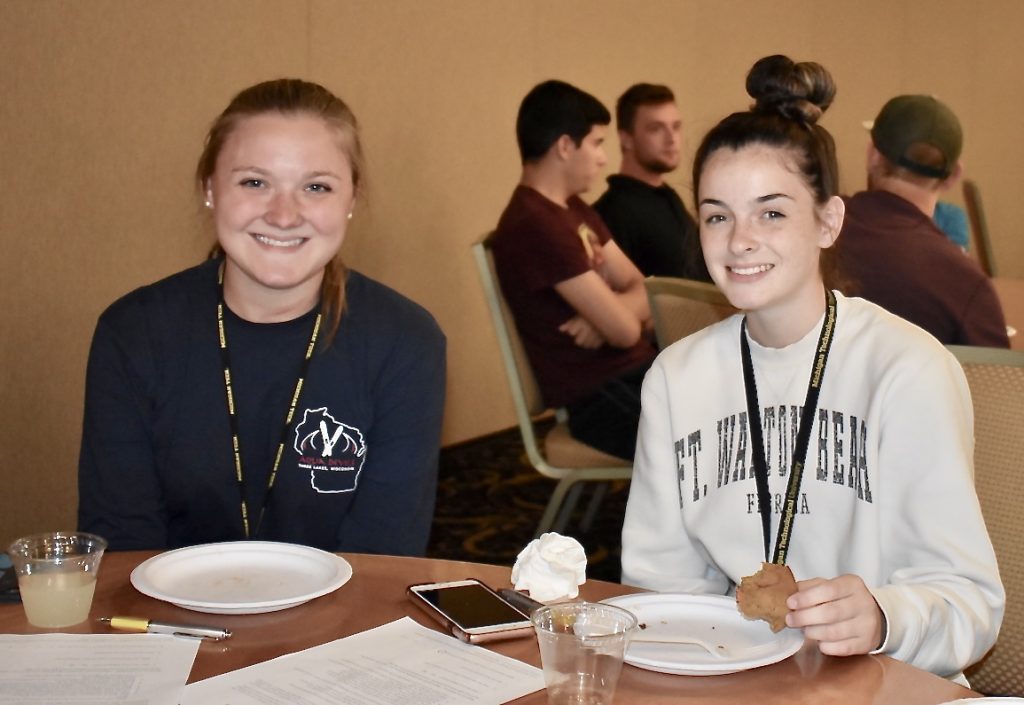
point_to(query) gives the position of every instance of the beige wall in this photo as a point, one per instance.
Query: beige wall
(104, 103)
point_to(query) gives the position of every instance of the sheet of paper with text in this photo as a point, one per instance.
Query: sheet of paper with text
(399, 662)
(80, 669)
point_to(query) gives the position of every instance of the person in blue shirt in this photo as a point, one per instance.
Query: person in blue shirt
(952, 221)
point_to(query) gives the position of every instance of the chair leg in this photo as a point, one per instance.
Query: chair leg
(568, 507)
(600, 490)
(554, 504)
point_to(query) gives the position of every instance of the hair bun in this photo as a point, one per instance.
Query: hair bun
(797, 91)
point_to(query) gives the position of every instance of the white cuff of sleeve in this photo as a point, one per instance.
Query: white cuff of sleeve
(882, 646)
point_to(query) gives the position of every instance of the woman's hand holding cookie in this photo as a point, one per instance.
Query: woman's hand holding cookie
(840, 613)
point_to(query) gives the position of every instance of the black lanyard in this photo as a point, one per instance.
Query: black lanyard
(236, 446)
(803, 435)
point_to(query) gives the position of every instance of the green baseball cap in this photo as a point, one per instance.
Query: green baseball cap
(912, 119)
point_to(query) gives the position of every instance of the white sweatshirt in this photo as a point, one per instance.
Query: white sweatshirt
(887, 490)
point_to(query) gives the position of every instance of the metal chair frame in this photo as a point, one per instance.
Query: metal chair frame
(684, 306)
(526, 399)
(981, 242)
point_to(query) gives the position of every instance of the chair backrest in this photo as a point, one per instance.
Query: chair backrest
(684, 306)
(996, 379)
(522, 382)
(981, 243)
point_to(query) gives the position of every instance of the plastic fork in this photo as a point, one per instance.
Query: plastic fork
(719, 650)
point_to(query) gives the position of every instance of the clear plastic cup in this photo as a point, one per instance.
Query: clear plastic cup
(57, 576)
(581, 649)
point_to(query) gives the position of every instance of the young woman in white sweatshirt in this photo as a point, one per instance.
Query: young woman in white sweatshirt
(885, 535)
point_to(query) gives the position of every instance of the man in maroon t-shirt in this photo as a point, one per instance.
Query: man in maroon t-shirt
(578, 301)
(890, 248)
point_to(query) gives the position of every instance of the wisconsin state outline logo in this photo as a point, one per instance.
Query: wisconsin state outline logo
(332, 451)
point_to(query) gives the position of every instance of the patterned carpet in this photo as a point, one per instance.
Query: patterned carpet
(490, 499)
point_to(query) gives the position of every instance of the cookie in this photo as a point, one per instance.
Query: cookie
(763, 595)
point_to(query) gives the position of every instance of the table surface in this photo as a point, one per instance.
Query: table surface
(376, 595)
(1011, 296)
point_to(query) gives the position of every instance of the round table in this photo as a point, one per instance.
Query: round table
(376, 595)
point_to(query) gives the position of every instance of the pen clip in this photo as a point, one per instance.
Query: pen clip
(190, 631)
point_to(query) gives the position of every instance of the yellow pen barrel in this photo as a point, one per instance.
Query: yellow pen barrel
(131, 624)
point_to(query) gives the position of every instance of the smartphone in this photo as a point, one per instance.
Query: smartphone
(472, 611)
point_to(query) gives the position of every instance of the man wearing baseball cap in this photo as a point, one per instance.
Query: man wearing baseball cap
(890, 249)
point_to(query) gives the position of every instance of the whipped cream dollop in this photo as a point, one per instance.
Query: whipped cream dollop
(551, 567)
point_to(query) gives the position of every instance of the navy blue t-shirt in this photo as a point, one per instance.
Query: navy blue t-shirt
(359, 469)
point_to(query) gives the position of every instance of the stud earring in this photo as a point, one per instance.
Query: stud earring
(208, 203)
(350, 215)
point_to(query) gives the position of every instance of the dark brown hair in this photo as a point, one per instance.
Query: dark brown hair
(636, 96)
(552, 109)
(789, 98)
(292, 96)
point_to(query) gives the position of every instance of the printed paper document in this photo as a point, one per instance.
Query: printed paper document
(399, 662)
(74, 669)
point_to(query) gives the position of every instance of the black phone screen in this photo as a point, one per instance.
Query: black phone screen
(472, 606)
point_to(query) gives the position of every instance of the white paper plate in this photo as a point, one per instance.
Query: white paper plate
(712, 618)
(241, 577)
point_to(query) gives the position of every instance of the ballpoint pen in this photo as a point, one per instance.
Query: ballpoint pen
(140, 624)
(524, 603)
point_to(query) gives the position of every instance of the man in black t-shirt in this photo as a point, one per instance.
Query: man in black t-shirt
(645, 215)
